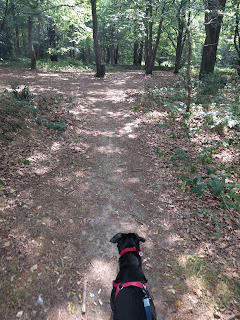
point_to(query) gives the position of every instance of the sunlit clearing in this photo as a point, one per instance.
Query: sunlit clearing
(129, 127)
(99, 271)
(56, 146)
(107, 150)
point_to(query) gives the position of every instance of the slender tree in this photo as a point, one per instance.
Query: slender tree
(100, 68)
(30, 43)
(237, 37)
(181, 15)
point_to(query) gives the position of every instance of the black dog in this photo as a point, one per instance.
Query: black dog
(130, 299)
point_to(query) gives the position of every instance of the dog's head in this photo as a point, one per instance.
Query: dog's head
(127, 240)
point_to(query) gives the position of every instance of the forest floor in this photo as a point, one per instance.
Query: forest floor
(66, 193)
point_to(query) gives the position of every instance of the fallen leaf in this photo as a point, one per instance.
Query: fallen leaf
(177, 303)
(19, 314)
(34, 268)
(7, 244)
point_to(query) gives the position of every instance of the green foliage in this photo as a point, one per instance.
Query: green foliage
(206, 154)
(56, 125)
(160, 154)
(227, 191)
(1, 183)
(179, 155)
(23, 161)
(21, 94)
(163, 125)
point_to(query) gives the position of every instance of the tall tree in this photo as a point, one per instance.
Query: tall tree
(30, 43)
(100, 68)
(182, 25)
(237, 37)
(150, 47)
(213, 21)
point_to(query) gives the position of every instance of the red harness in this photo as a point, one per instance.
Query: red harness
(120, 286)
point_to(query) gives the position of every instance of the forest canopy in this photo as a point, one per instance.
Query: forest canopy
(141, 33)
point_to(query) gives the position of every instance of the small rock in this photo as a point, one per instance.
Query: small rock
(19, 314)
(34, 268)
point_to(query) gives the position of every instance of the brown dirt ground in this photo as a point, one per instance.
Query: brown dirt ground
(82, 186)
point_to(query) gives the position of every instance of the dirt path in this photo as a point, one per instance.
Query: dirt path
(82, 186)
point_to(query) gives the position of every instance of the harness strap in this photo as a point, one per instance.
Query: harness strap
(120, 286)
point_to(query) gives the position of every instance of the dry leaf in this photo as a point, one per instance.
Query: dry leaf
(177, 303)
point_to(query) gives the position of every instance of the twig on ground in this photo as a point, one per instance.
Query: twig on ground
(233, 316)
(84, 296)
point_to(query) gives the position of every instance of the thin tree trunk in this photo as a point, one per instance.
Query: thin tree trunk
(135, 53)
(148, 39)
(2, 26)
(180, 42)
(154, 53)
(237, 38)
(18, 48)
(116, 55)
(189, 86)
(100, 68)
(140, 54)
(213, 22)
(30, 43)
(38, 39)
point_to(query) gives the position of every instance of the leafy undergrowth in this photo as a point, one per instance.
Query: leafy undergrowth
(202, 149)
(24, 114)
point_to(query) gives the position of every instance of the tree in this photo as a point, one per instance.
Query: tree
(213, 21)
(181, 17)
(150, 47)
(237, 37)
(100, 68)
(30, 43)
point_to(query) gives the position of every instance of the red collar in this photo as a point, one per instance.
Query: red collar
(127, 250)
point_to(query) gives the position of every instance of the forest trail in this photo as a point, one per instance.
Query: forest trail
(82, 186)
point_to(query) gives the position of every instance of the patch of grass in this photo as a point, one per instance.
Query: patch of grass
(199, 276)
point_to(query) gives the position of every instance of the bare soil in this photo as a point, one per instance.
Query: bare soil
(98, 177)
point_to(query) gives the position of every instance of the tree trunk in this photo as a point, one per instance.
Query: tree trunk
(38, 39)
(30, 43)
(100, 68)
(148, 39)
(189, 85)
(135, 53)
(18, 48)
(2, 26)
(181, 39)
(140, 54)
(213, 22)
(150, 52)
(157, 39)
(237, 38)
(116, 56)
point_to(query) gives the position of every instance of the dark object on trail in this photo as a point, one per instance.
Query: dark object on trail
(54, 57)
(101, 72)
(130, 299)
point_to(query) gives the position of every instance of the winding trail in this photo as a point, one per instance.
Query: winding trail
(86, 191)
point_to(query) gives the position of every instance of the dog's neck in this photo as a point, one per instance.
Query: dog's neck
(129, 250)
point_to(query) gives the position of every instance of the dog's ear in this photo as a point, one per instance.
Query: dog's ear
(141, 239)
(116, 238)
